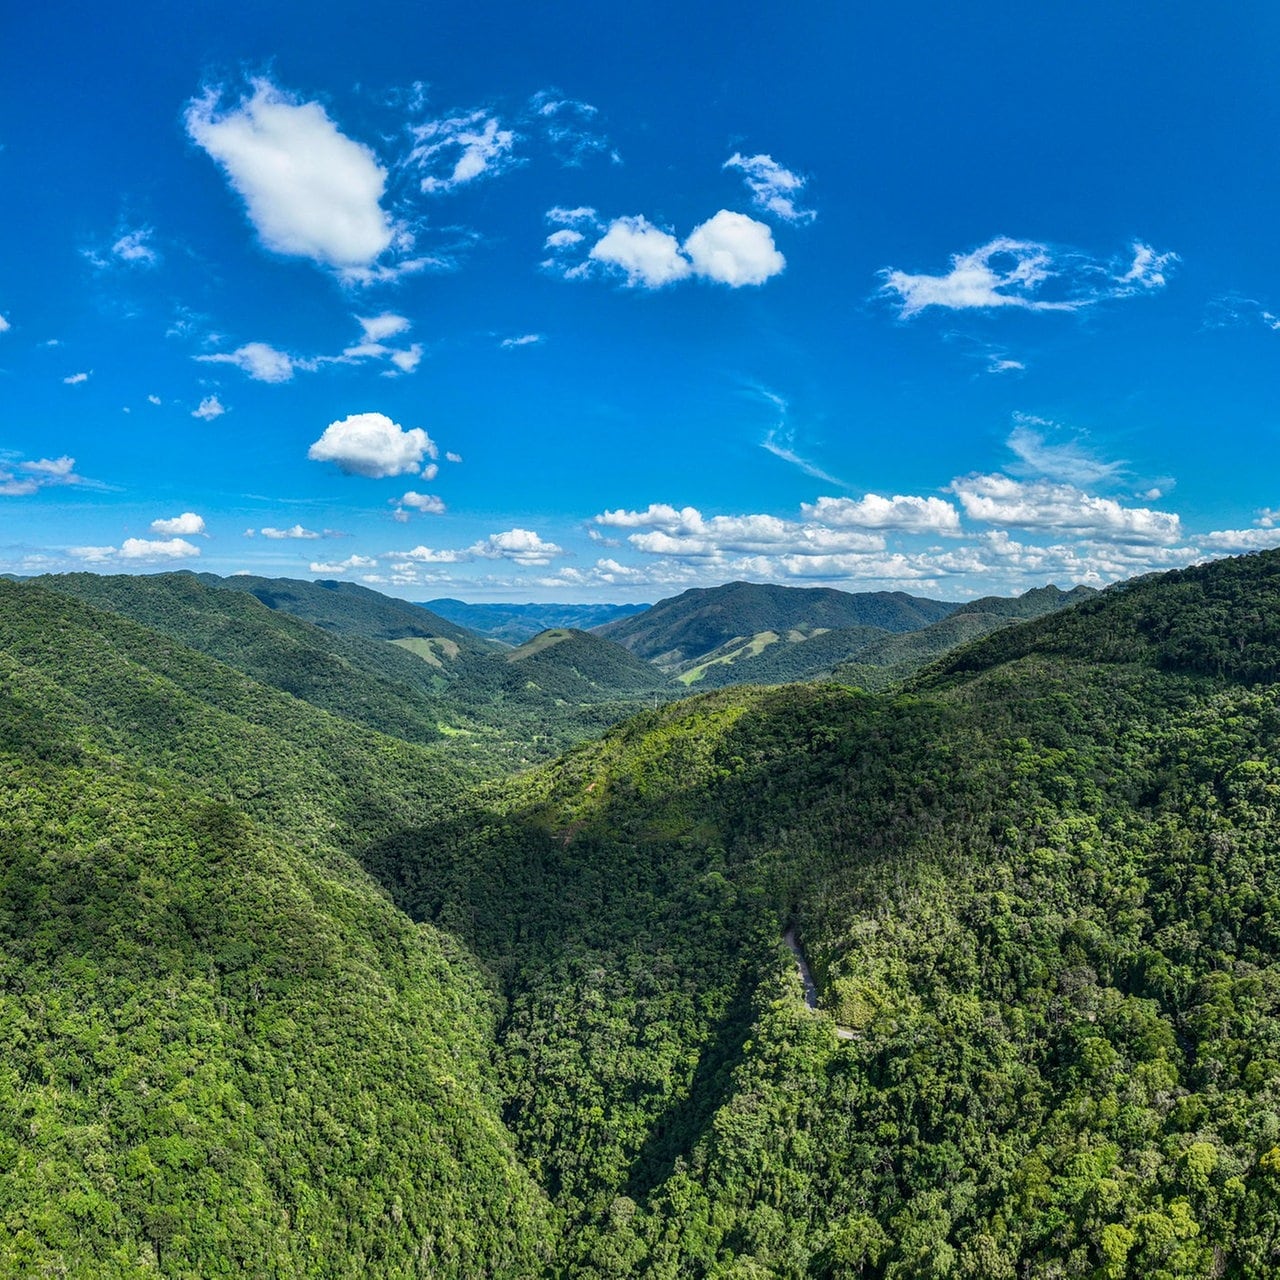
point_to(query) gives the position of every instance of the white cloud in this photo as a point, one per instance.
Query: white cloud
(453, 457)
(19, 479)
(187, 523)
(565, 238)
(296, 531)
(263, 363)
(426, 503)
(5, 326)
(1002, 364)
(995, 499)
(370, 444)
(564, 217)
(75, 379)
(349, 565)
(565, 123)
(154, 400)
(525, 340)
(1065, 460)
(646, 254)
(729, 248)
(379, 328)
(407, 361)
(208, 409)
(1010, 273)
(733, 249)
(521, 545)
(461, 149)
(773, 187)
(1001, 273)
(309, 190)
(912, 514)
(135, 248)
(1241, 539)
(1147, 269)
(143, 549)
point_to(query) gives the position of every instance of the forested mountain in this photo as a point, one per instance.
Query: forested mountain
(380, 662)
(679, 632)
(224, 1051)
(515, 623)
(577, 666)
(1037, 890)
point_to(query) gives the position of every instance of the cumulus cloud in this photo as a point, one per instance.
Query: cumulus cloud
(1241, 539)
(912, 514)
(208, 409)
(729, 248)
(350, 565)
(265, 363)
(426, 503)
(1021, 273)
(75, 379)
(520, 546)
(309, 190)
(370, 444)
(1016, 504)
(733, 249)
(524, 340)
(645, 254)
(187, 523)
(459, 149)
(773, 187)
(5, 326)
(137, 549)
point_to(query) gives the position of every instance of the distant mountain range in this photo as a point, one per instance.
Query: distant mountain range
(516, 623)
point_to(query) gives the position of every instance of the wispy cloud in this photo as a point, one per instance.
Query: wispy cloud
(456, 150)
(21, 477)
(773, 187)
(1026, 275)
(208, 409)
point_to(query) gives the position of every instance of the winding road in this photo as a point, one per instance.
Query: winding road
(811, 987)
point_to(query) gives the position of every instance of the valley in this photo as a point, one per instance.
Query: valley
(316, 962)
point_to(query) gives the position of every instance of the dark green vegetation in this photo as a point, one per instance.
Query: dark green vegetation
(383, 663)
(1039, 889)
(515, 623)
(873, 656)
(677, 634)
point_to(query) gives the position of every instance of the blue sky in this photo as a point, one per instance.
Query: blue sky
(555, 302)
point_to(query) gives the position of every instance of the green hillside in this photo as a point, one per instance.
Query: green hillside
(576, 666)
(381, 663)
(1039, 896)
(688, 627)
(1037, 892)
(225, 1052)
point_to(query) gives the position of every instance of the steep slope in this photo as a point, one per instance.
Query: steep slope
(363, 679)
(891, 659)
(515, 623)
(575, 666)
(366, 657)
(1038, 893)
(224, 1050)
(694, 624)
(347, 608)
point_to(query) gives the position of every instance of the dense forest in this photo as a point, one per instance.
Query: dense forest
(286, 995)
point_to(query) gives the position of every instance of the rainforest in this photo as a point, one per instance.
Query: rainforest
(340, 939)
